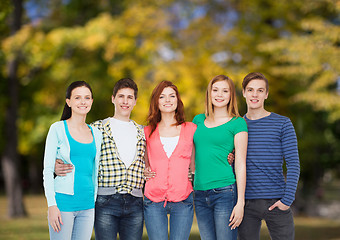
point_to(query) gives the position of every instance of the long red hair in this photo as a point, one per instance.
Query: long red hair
(154, 116)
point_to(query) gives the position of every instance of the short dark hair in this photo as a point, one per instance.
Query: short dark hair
(125, 83)
(67, 112)
(254, 76)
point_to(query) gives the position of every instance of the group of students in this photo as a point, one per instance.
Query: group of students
(113, 174)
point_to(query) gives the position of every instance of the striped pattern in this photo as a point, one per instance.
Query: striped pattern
(272, 140)
(112, 170)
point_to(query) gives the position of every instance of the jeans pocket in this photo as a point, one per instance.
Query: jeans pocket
(147, 202)
(139, 201)
(229, 188)
(189, 200)
(283, 211)
(102, 200)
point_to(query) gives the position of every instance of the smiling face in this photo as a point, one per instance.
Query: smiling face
(124, 102)
(168, 100)
(220, 94)
(255, 94)
(80, 101)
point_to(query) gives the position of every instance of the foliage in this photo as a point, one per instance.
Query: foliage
(294, 43)
(312, 61)
(6, 8)
(307, 66)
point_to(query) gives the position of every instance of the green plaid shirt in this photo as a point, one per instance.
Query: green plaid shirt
(112, 170)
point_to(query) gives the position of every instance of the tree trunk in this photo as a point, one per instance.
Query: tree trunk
(34, 176)
(10, 158)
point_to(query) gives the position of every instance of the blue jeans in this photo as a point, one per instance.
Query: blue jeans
(280, 223)
(76, 225)
(213, 209)
(119, 214)
(156, 219)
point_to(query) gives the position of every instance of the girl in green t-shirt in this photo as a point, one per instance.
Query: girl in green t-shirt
(218, 202)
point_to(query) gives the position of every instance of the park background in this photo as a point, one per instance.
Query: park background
(45, 45)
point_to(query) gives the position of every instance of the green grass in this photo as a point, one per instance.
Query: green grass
(34, 227)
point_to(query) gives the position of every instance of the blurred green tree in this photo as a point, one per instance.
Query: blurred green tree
(187, 42)
(308, 65)
(10, 161)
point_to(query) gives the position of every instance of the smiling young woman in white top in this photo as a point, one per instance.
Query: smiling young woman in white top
(169, 141)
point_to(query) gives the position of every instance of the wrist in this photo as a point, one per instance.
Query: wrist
(241, 202)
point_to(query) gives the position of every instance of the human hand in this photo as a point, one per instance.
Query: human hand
(236, 216)
(279, 205)
(191, 176)
(148, 174)
(231, 157)
(61, 169)
(54, 218)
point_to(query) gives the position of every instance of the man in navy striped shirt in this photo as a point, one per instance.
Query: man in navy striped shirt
(271, 141)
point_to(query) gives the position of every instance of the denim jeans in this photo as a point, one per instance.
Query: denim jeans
(156, 219)
(77, 225)
(119, 214)
(213, 209)
(280, 223)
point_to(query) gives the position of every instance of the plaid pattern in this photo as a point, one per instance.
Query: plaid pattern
(112, 170)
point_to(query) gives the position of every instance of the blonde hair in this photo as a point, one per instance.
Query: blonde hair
(232, 105)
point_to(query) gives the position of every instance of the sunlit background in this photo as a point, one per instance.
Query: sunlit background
(45, 45)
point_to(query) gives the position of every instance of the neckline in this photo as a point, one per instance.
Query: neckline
(68, 133)
(270, 114)
(216, 126)
(121, 121)
(170, 137)
(179, 140)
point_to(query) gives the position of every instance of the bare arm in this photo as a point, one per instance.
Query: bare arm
(192, 162)
(241, 143)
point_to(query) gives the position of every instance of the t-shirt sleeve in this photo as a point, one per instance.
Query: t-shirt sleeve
(240, 125)
(195, 120)
(198, 119)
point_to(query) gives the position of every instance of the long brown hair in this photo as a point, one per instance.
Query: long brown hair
(154, 116)
(232, 105)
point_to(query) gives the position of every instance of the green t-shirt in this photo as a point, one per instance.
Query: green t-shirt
(212, 146)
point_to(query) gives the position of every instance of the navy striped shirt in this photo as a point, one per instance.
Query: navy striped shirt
(272, 140)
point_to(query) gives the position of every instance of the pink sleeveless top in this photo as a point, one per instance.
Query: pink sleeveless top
(171, 182)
